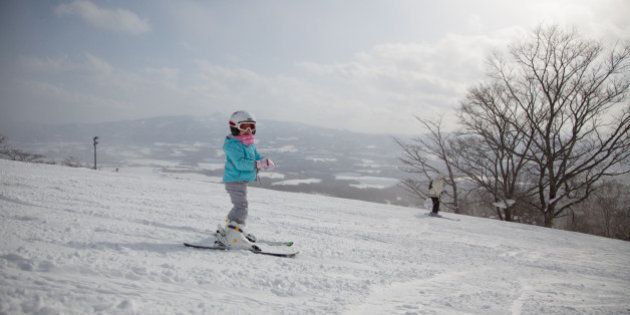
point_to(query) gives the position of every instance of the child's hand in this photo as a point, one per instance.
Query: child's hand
(265, 164)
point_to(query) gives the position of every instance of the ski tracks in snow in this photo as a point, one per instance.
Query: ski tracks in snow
(445, 292)
(517, 305)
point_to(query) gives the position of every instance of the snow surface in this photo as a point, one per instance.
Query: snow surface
(368, 181)
(296, 182)
(79, 241)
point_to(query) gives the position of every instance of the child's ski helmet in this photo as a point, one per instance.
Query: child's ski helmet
(238, 118)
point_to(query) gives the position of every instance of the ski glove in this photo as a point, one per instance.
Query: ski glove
(265, 164)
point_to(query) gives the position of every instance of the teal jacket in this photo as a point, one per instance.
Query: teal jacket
(240, 161)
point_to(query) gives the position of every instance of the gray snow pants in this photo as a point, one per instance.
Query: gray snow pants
(238, 195)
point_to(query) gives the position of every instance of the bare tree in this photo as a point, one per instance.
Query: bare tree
(429, 157)
(491, 150)
(570, 96)
(3, 144)
(11, 153)
(606, 212)
(612, 205)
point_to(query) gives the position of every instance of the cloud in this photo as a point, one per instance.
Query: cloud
(85, 87)
(82, 64)
(118, 20)
(605, 20)
(388, 85)
(378, 89)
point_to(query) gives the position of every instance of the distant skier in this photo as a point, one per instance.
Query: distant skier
(436, 188)
(242, 163)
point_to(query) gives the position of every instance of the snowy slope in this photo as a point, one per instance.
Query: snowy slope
(79, 241)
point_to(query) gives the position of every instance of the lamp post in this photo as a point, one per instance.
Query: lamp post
(95, 143)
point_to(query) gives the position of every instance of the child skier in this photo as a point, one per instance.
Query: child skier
(242, 163)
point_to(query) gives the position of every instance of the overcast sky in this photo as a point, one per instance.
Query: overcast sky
(363, 65)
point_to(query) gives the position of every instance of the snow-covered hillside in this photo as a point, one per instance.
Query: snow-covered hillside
(78, 241)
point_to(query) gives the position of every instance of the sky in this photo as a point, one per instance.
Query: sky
(361, 65)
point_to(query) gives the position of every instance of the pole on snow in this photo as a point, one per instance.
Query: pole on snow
(95, 143)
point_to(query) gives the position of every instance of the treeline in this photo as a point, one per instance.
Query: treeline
(9, 152)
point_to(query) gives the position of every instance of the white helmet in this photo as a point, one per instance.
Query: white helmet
(239, 118)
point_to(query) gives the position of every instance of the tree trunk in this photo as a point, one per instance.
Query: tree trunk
(549, 215)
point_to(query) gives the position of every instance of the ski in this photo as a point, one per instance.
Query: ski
(262, 252)
(253, 239)
(274, 243)
(441, 217)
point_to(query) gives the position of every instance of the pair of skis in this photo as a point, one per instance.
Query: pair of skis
(440, 217)
(260, 252)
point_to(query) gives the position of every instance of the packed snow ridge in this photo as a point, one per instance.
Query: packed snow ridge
(79, 241)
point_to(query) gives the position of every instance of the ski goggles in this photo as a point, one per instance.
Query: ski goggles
(244, 126)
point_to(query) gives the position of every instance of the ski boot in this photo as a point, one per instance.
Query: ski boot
(220, 235)
(233, 236)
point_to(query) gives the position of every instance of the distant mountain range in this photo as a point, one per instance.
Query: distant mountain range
(310, 159)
